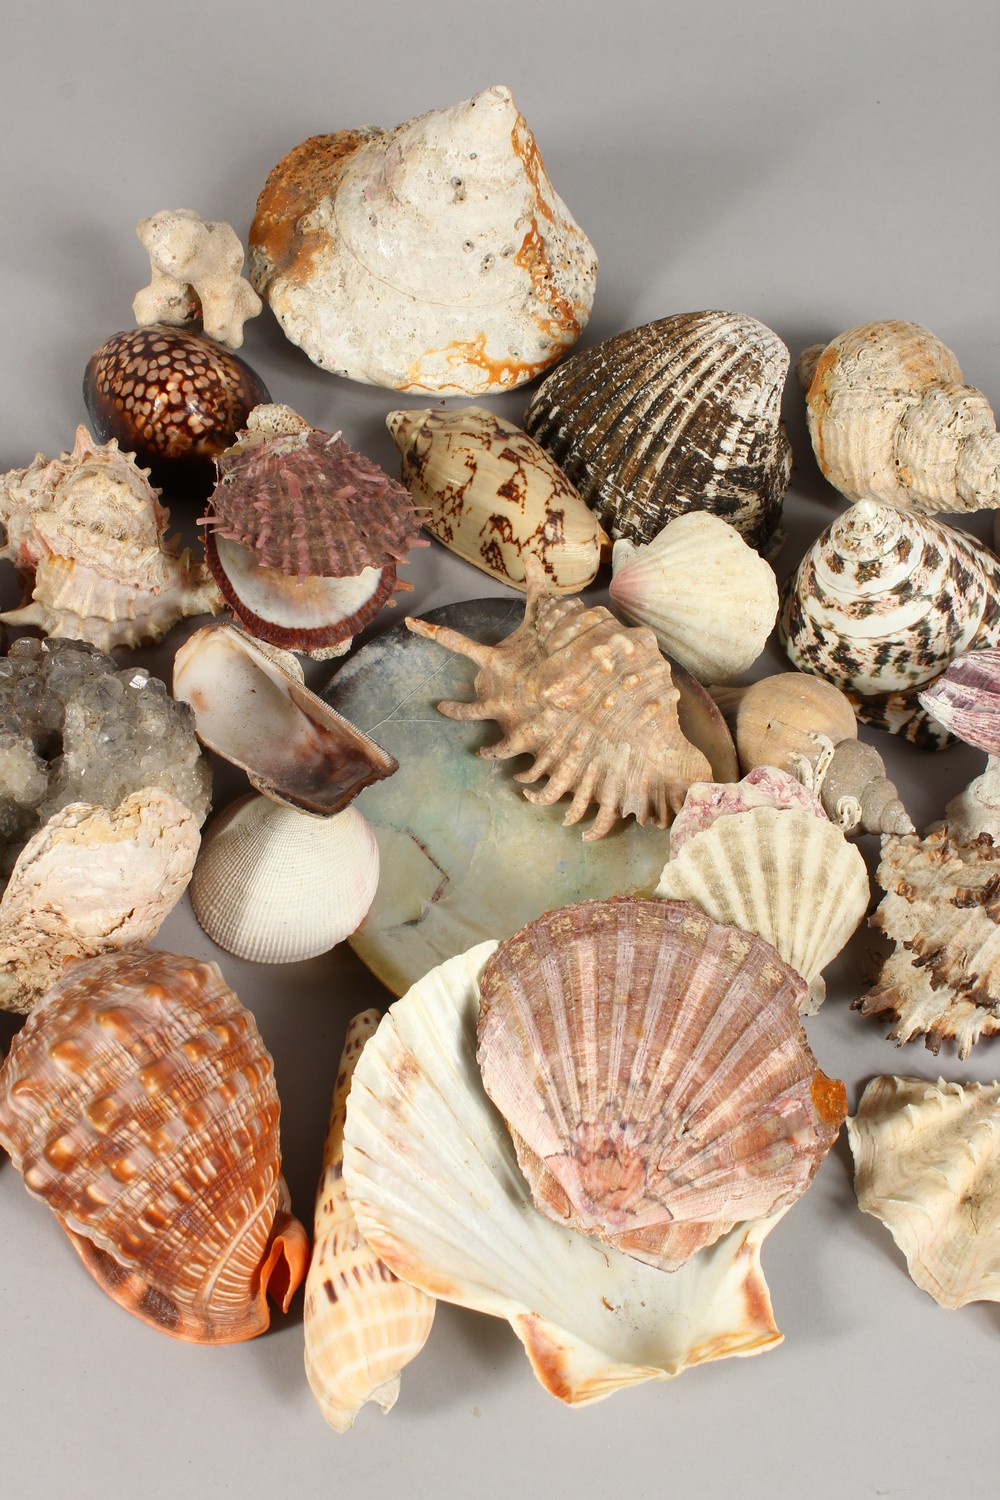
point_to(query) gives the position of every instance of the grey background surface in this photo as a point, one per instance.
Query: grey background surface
(813, 165)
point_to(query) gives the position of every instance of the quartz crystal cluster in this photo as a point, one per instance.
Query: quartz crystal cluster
(74, 727)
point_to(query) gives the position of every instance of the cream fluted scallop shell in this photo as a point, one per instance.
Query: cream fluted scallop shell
(275, 885)
(709, 598)
(433, 257)
(491, 494)
(786, 875)
(890, 420)
(432, 1176)
(925, 1163)
(361, 1323)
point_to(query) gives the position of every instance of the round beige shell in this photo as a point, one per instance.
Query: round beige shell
(492, 494)
(275, 885)
(786, 875)
(925, 1163)
(432, 257)
(432, 1177)
(784, 720)
(710, 600)
(890, 420)
(362, 1325)
(653, 1073)
(138, 1101)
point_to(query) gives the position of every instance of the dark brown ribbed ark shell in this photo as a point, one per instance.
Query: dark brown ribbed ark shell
(139, 1103)
(681, 414)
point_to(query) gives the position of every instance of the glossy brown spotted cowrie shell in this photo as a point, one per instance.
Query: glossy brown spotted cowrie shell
(175, 398)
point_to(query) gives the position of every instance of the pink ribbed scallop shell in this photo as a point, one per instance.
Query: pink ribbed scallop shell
(653, 1073)
(139, 1102)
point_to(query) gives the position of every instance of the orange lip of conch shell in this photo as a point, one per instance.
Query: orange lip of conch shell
(139, 1102)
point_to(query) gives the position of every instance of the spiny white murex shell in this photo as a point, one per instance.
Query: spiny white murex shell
(790, 877)
(492, 494)
(432, 1177)
(710, 600)
(90, 529)
(890, 420)
(926, 1163)
(882, 602)
(277, 885)
(432, 257)
(361, 1323)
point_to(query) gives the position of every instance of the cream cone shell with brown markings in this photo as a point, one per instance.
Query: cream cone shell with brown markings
(493, 495)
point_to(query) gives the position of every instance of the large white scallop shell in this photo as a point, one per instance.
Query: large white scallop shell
(926, 1163)
(361, 1323)
(491, 494)
(432, 257)
(275, 885)
(433, 1179)
(710, 600)
(786, 875)
(882, 602)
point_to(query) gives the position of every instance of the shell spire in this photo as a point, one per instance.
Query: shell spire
(361, 1323)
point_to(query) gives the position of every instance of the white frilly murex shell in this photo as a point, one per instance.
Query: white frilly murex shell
(925, 1163)
(882, 602)
(361, 1323)
(433, 1179)
(432, 257)
(788, 876)
(491, 494)
(890, 420)
(709, 598)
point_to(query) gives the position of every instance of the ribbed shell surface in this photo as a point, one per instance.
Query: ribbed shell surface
(139, 1102)
(653, 1072)
(681, 414)
(966, 699)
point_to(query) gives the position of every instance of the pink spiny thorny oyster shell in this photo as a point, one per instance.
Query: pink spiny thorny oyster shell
(306, 504)
(966, 699)
(653, 1073)
(764, 786)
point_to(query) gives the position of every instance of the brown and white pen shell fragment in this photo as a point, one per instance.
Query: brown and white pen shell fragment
(491, 494)
(940, 909)
(362, 1325)
(681, 414)
(926, 1163)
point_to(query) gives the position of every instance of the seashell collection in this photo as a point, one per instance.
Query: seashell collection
(594, 1097)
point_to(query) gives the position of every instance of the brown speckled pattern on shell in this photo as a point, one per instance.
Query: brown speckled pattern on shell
(139, 1102)
(170, 394)
(681, 414)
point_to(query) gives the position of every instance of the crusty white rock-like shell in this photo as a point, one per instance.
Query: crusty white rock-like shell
(491, 494)
(890, 420)
(710, 600)
(91, 879)
(432, 257)
(786, 875)
(927, 1163)
(433, 1179)
(361, 1323)
(276, 885)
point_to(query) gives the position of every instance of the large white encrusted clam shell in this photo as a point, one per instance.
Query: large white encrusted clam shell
(91, 879)
(89, 529)
(361, 1323)
(890, 420)
(882, 602)
(433, 1179)
(784, 874)
(942, 980)
(710, 600)
(433, 257)
(491, 494)
(681, 414)
(653, 1073)
(925, 1163)
(276, 885)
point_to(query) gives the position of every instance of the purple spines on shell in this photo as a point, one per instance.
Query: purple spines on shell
(966, 699)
